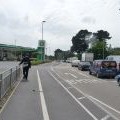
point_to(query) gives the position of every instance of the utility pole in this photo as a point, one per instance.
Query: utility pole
(15, 48)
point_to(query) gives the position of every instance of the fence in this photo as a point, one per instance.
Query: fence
(8, 78)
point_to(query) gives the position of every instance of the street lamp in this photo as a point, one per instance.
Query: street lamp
(103, 49)
(42, 37)
(42, 28)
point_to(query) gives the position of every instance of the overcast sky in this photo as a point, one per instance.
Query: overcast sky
(20, 21)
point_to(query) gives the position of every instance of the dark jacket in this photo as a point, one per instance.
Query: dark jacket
(26, 62)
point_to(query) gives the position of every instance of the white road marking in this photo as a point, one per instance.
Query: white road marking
(74, 97)
(88, 81)
(81, 98)
(42, 98)
(106, 117)
(87, 96)
(80, 73)
(71, 75)
(108, 106)
(69, 87)
(71, 81)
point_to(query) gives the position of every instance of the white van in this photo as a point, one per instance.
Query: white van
(75, 63)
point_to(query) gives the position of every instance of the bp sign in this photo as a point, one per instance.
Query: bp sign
(41, 43)
(41, 50)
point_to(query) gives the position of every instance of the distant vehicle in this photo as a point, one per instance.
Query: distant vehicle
(113, 57)
(74, 63)
(87, 57)
(103, 68)
(83, 65)
(69, 60)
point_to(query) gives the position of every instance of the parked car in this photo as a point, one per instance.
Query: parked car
(74, 63)
(103, 68)
(115, 58)
(83, 65)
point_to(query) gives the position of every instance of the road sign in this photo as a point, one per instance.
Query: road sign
(41, 50)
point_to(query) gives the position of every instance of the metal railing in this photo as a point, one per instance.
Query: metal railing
(8, 79)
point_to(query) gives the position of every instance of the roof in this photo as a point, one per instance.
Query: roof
(14, 47)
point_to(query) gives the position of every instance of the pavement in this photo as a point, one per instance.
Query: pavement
(24, 103)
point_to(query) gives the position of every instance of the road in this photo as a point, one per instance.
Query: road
(5, 65)
(57, 91)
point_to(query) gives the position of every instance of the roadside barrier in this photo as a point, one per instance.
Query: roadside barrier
(8, 79)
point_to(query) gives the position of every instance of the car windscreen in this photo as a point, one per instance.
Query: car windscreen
(109, 64)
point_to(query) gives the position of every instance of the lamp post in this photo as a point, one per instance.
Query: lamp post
(103, 49)
(15, 49)
(42, 28)
(42, 38)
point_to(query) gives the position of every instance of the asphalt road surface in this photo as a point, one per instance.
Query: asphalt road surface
(5, 65)
(57, 91)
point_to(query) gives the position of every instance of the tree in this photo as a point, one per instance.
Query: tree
(97, 49)
(62, 55)
(58, 54)
(79, 41)
(115, 51)
(99, 44)
(67, 54)
(102, 35)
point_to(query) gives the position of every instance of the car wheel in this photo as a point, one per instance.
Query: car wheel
(90, 73)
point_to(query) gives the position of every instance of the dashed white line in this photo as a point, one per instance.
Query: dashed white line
(69, 87)
(42, 98)
(71, 75)
(81, 98)
(81, 74)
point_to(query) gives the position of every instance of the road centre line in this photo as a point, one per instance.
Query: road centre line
(42, 98)
(87, 96)
(74, 97)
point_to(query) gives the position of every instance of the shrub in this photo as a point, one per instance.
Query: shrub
(36, 62)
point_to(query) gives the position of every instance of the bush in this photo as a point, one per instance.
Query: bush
(36, 62)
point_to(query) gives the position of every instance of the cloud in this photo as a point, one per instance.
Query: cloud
(89, 20)
(21, 20)
(3, 19)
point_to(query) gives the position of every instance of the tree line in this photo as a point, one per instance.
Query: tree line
(86, 41)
